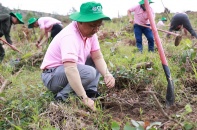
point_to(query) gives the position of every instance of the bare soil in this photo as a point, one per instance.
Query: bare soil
(141, 106)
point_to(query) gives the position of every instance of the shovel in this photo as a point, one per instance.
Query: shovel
(13, 47)
(170, 96)
(178, 37)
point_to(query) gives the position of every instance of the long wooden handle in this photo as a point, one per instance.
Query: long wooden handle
(160, 30)
(13, 47)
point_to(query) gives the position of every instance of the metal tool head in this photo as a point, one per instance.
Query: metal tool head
(170, 96)
(177, 40)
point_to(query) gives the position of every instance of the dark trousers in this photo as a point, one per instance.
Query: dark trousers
(139, 30)
(2, 53)
(55, 30)
(179, 20)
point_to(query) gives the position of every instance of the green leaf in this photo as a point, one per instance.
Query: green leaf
(115, 126)
(188, 126)
(183, 69)
(193, 54)
(18, 128)
(140, 128)
(188, 108)
(184, 56)
(26, 56)
(128, 127)
(152, 129)
(111, 64)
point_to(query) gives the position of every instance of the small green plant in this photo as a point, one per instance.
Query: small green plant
(186, 125)
(141, 113)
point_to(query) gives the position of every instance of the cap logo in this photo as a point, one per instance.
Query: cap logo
(97, 9)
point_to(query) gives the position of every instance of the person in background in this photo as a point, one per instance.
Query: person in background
(73, 61)
(141, 18)
(161, 22)
(46, 25)
(181, 21)
(6, 22)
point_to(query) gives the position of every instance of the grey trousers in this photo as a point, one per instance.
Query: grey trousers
(56, 81)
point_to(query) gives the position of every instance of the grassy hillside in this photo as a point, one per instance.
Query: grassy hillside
(138, 97)
(28, 14)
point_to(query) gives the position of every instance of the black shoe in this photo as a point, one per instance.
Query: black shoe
(62, 98)
(92, 94)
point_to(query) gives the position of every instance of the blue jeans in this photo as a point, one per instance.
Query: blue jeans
(139, 30)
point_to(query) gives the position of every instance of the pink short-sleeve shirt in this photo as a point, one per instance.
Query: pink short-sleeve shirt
(141, 16)
(69, 45)
(47, 23)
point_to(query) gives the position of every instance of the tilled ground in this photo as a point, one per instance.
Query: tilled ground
(143, 107)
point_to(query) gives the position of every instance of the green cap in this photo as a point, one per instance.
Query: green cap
(31, 21)
(18, 16)
(89, 11)
(163, 19)
(142, 2)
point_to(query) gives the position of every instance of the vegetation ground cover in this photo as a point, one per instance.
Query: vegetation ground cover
(136, 102)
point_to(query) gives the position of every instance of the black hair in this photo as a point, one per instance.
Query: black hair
(143, 7)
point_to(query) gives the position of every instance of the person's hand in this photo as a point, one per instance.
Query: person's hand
(131, 21)
(193, 37)
(168, 35)
(109, 80)
(38, 44)
(89, 103)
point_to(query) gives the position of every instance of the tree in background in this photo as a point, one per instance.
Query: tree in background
(72, 10)
(4, 10)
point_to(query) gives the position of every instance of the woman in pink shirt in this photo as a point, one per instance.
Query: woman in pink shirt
(140, 18)
(73, 61)
(46, 25)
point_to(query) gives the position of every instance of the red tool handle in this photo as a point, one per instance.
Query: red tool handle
(170, 96)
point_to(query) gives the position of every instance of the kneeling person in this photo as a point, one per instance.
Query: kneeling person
(73, 60)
